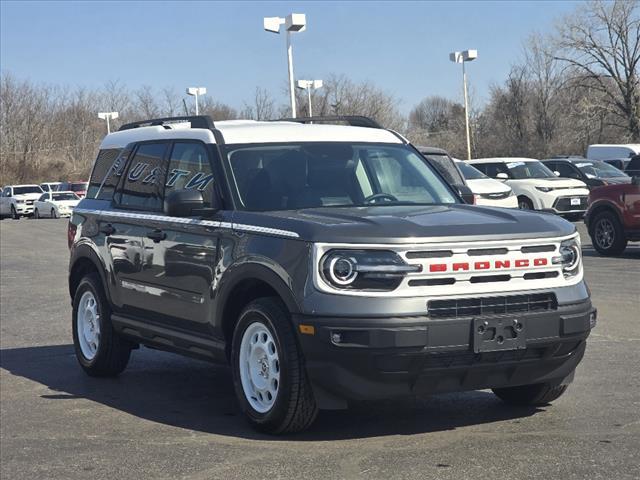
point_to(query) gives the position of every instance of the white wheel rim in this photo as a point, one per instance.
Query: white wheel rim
(88, 325)
(259, 367)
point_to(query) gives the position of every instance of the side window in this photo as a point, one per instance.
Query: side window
(143, 183)
(567, 171)
(101, 168)
(7, 192)
(44, 197)
(189, 167)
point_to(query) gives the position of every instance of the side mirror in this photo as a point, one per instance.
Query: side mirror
(502, 176)
(182, 203)
(635, 180)
(466, 194)
(556, 173)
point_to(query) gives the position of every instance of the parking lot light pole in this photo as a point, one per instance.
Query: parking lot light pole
(309, 85)
(196, 92)
(294, 22)
(463, 57)
(108, 116)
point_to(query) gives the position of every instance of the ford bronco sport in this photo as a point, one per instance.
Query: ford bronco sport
(324, 263)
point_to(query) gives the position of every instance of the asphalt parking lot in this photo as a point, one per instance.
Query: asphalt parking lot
(171, 417)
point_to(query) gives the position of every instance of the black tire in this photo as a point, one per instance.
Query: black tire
(524, 203)
(53, 213)
(294, 408)
(14, 214)
(607, 234)
(113, 351)
(36, 214)
(530, 395)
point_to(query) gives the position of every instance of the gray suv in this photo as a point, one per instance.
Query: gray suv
(324, 263)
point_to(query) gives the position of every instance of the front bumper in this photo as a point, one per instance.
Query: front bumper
(23, 208)
(376, 358)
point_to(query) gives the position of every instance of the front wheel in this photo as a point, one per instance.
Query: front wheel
(607, 234)
(530, 395)
(36, 214)
(14, 213)
(53, 213)
(100, 351)
(269, 375)
(524, 203)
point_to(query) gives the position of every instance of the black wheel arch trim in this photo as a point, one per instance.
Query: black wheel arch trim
(83, 252)
(601, 206)
(252, 271)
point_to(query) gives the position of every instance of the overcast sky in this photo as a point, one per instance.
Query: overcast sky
(402, 47)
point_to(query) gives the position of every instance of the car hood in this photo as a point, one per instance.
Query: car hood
(405, 224)
(487, 185)
(616, 180)
(66, 203)
(551, 182)
(27, 196)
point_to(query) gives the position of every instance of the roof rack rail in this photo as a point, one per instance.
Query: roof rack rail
(197, 121)
(353, 120)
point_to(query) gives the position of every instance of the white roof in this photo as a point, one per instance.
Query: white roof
(501, 160)
(633, 146)
(249, 131)
(25, 185)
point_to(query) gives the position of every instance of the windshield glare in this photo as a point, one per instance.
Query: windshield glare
(65, 196)
(529, 169)
(310, 175)
(469, 172)
(599, 169)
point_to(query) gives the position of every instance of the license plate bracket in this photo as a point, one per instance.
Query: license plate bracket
(498, 334)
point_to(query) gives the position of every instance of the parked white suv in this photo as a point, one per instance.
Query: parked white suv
(17, 200)
(487, 191)
(537, 187)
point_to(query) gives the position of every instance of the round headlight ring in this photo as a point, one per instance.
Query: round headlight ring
(571, 252)
(342, 270)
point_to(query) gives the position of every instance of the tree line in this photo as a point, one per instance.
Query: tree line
(579, 84)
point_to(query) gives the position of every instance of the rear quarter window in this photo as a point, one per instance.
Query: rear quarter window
(101, 168)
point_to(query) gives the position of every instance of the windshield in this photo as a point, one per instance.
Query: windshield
(446, 167)
(65, 196)
(29, 189)
(78, 187)
(599, 169)
(529, 169)
(308, 175)
(469, 172)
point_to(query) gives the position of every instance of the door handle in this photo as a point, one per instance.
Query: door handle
(156, 235)
(107, 229)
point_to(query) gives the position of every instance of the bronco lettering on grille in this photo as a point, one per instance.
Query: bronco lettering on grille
(488, 265)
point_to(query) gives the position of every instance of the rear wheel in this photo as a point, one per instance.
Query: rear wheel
(524, 203)
(100, 351)
(607, 234)
(531, 395)
(269, 375)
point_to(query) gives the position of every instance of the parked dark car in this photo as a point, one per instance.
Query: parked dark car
(446, 166)
(613, 217)
(633, 167)
(594, 173)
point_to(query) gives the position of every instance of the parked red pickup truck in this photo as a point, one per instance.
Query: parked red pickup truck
(613, 216)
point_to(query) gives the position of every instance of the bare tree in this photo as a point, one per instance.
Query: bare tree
(601, 42)
(261, 108)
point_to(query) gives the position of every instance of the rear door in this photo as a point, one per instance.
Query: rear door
(136, 202)
(180, 262)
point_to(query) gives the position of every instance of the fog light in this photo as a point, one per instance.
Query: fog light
(336, 337)
(593, 319)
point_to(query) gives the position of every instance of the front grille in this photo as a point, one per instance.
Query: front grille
(29, 202)
(563, 204)
(475, 307)
(495, 196)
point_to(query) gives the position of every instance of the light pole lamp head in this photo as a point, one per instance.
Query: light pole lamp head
(309, 84)
(296, 22)
(456, 57)
(272, 24)
(196, 91)
(317, 84)
(469, 55)
(110, 115)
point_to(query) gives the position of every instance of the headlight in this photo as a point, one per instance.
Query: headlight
(569, 257)
(544, 189)
(511, 194)
(20, 201)
(364, 269)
